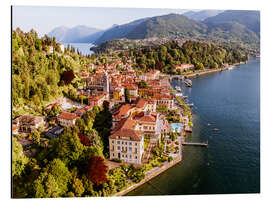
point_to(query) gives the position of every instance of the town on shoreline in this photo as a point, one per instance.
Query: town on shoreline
(130, 124)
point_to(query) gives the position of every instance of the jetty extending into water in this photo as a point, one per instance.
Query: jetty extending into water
(195, 144)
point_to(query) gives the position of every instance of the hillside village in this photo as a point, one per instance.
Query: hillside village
(139, 108)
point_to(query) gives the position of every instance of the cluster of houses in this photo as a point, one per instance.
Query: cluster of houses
(184, 67)
(131, 122)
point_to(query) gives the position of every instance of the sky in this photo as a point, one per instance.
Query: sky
(45, 18)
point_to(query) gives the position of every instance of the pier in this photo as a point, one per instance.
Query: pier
(195, 144)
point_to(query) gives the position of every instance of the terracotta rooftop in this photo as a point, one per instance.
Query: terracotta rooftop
(163, 96)
(125, 128)
(123, 110)
(141, 103)
(143, 117)
(96, 98)
(68, 116)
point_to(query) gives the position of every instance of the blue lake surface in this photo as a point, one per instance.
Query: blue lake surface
(229, 101)
(83, 47)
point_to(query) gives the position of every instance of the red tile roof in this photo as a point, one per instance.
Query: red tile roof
(123, 110)
(141, 103)
(163, 97)
(125, 128)
(68, 116)
(142, 117)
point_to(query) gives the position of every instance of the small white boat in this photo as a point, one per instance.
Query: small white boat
(178, 88)
(188, 82)
(179, 94)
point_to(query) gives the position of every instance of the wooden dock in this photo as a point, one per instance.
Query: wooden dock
(195, 144)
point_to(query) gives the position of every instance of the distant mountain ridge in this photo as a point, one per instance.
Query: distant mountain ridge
(119, 31)
(250, 19)
(202, 15)
(76, 34)
(241, 27)
(232, 26)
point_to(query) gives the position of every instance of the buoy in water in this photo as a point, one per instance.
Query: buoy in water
(208, 124)
(215, 129)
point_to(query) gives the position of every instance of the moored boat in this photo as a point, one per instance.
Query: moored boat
(188, 82)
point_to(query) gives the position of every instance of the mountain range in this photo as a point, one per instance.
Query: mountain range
(76, 34)
(202, 15)
(230, 26)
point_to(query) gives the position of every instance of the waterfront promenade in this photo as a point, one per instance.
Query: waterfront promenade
(149, 175)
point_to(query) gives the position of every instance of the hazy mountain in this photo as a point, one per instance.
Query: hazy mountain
(59, 33)
(241, 27)
(75, 34)
(91, 38)
(119, 31)
(160, 26)
(202, 15)
(167, 26)
(233, 32)
(250, 19)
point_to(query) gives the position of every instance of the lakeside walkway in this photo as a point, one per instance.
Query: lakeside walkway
(149, 175)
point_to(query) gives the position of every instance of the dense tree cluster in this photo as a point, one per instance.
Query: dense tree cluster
(165, 57)
(72, 166)
(41, 71)
(61, 166)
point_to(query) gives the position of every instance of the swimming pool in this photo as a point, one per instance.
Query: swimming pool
(176, 127)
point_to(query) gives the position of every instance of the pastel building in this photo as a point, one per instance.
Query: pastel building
(127, 143)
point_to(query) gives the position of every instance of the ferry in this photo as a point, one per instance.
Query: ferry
(188, 82)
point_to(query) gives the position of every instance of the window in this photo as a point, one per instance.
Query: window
(130, 143)
(123, 155)
(113, 154)
(130, 149)
(118, 142)
(135, 150)
(135, 157)
(112, 141)
(135, 143)
(118, 147)
(126, 143)
(130, 156)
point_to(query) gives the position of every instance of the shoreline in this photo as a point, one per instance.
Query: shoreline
(156, 172)
(191, 75)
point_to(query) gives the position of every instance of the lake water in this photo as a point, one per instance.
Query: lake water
(83, 47)
(230, 101)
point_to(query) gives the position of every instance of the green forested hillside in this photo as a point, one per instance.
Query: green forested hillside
(72, 164)
(240, 27)
(36, 73)
(165, 57)
(250, 19)
(118, 31)
(167, 26)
